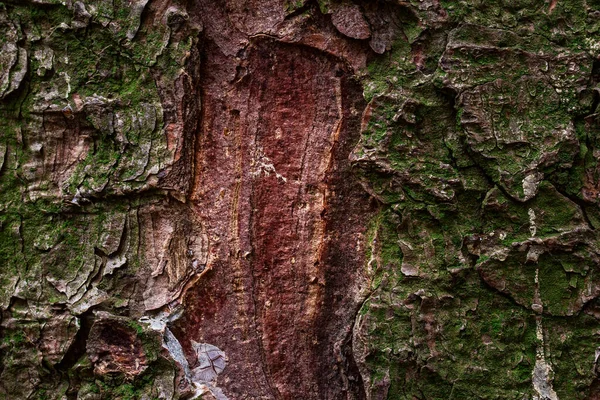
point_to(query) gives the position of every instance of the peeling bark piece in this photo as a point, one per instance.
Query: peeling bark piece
(57, 336)
(176, 248)
(9, 286)
(211, 362)
(137, 8)
(100, 112)
(112, 233)
(45, 57)
(18, 72)
(348, 20)
(81, 16)
(74, 272)
(9, 52)
(13, 65)
(8, 58)
(113, 263)
(91, 298)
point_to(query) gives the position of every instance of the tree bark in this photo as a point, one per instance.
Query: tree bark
(299, 199)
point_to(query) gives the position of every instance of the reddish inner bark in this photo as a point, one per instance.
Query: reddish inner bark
(285, 251)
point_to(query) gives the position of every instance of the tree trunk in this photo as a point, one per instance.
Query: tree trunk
(283, 199)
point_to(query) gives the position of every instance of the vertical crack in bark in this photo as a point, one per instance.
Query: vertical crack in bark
(78, 347)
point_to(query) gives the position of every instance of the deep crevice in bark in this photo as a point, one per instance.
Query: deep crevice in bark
(78, 347)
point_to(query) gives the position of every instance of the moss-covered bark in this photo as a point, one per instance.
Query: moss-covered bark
(203, 159)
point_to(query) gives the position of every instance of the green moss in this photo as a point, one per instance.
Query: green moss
(140, 387)
(14, 339)
(324, 6)
(470, 367)
(293, 5)
(573, 352)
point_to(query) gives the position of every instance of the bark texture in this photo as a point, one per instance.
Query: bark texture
(299, 199)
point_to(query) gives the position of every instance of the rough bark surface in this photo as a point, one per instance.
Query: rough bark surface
(299, 199)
